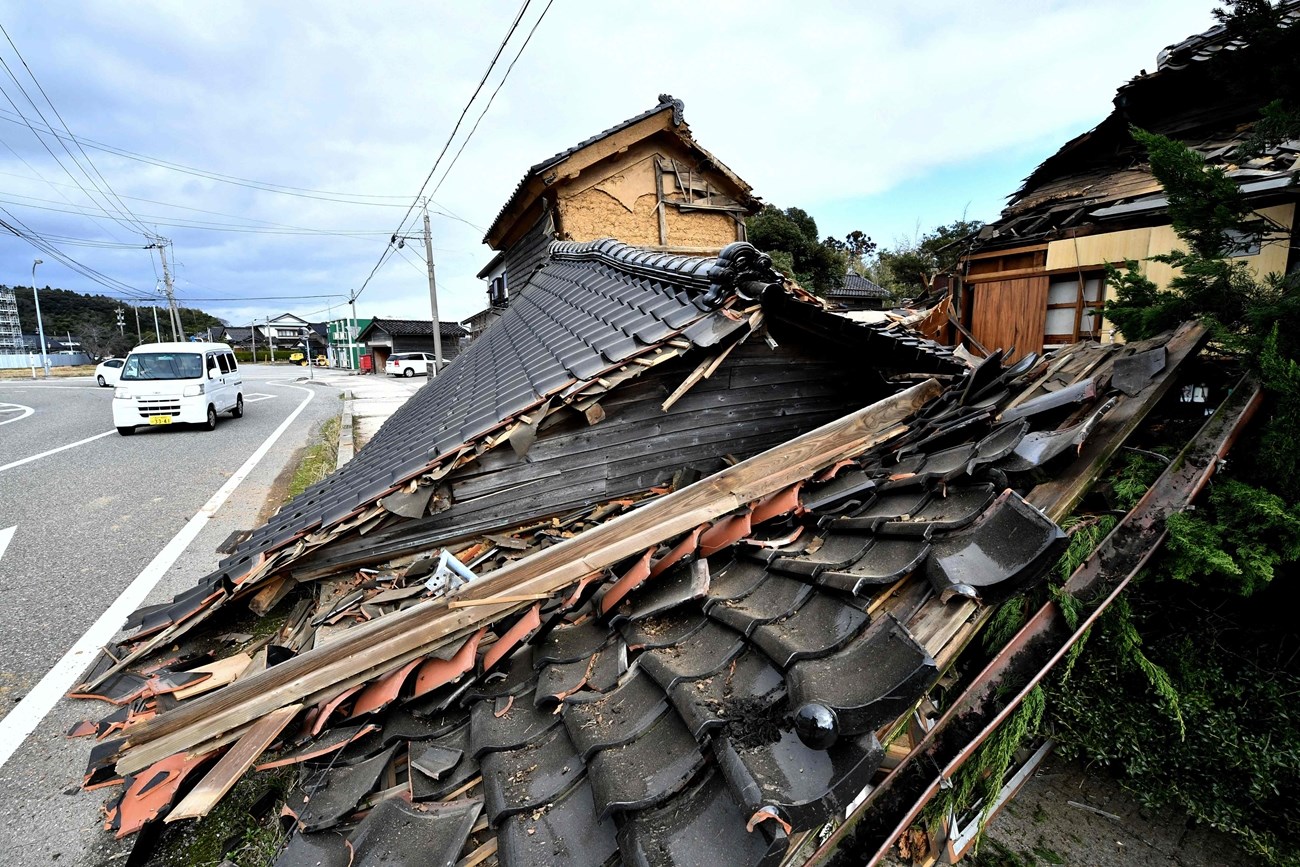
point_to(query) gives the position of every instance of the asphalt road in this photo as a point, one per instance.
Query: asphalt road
(77, 527)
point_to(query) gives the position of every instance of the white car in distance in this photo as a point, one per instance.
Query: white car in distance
(409, 364)
(108, 371)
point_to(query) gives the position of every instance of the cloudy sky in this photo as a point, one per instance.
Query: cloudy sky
(280, 145)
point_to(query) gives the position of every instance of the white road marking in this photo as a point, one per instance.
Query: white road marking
(6, 535)
(257, 395)
(19, 463)
(28, 713)
(15, 407)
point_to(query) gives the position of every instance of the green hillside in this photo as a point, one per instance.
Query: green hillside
(92, 319)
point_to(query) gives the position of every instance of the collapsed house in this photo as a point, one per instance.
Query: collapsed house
(660, 571)
(1035, 277)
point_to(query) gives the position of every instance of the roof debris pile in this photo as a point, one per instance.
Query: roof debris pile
(706, 671)
(633, 664)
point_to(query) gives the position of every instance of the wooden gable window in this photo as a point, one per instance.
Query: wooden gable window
(1073, 308)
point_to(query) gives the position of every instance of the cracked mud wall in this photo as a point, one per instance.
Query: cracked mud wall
(594, 213)
(699, 228)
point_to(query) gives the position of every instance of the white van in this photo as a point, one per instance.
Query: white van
(169, 383)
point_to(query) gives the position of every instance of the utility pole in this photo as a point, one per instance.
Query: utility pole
(45, 356)
(270, 336)
(139, 337)
(354, 353)
(433, 292)
(121, 323)
(252, 332)
(160, 244)
(157, 332)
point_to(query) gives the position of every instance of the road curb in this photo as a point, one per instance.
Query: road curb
(346, 449)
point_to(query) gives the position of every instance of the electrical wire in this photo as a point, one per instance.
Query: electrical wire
(235, 180)
(401, 226)
(487, 72)
(23, 231)
(483, 113)
(205, 224)
(123, 206)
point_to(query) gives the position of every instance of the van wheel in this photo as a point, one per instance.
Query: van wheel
(238, 411)
(126, 431)
(212, 418)
(410, 371)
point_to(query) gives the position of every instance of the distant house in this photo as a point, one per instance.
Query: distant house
(383, 337)
(645, 182)
(1035, 278)
(859, 293)
(238, 336)
(479, 322)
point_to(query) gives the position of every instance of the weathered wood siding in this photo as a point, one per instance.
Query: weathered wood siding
(529, 253)
(1007, 313)
(757, 399)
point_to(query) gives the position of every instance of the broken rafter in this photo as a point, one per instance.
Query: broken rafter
(380, 644)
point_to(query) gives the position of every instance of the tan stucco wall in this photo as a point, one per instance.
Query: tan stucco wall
(1142, 244)
(617, 199)
(596, 214)
(699, 228)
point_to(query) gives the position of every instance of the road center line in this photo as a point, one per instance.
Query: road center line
(28, 713)
(19, 463)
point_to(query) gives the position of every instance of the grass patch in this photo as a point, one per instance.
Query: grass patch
(55, 372)
(318, 460)
(243, 829)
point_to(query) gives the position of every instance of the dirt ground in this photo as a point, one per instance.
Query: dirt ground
(1043, 826)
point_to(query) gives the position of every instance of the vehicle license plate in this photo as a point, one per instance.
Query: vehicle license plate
(160, 419)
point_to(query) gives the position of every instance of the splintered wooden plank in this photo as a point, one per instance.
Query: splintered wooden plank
(223, 671)
(426, 626)
(237, 760)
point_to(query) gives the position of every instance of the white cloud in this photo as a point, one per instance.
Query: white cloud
(811, 103)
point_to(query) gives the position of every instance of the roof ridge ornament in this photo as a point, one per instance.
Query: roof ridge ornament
(679, 107)
(740, 269)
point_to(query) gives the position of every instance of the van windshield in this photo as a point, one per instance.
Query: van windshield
(163, 365)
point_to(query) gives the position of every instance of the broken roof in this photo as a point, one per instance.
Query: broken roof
(673, 682)
(1104, 175)
(668, 117)
(587, 315)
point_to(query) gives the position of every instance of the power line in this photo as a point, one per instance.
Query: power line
(26, 233)
(483, 113)
(384, 256)
(203, 224)
(495, 57)
(249, 183)
(54, 108)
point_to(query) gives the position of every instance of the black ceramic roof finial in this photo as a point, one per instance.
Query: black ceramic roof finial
(679, 107)
(817, 726)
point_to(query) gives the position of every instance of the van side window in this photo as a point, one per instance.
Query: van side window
(234, 364)
(212, 363)
(223, 360)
